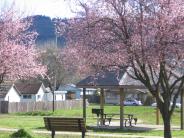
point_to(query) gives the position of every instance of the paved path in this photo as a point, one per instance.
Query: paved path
(87, 134)
(138, 127)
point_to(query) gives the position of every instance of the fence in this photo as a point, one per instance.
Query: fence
(13, 107)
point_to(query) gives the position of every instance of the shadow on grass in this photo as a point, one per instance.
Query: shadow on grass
(40, 128)
(132, 130)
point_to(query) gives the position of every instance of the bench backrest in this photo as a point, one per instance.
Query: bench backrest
(65, 124)
(98, 112)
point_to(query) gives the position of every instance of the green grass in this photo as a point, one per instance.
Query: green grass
(7, 135)
(176, 134)
(34, 120)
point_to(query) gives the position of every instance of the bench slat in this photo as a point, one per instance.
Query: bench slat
(65, 122)
(67, 129)
(63, 118)
(63, 126)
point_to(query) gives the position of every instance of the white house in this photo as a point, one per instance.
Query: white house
(25, 92)
(89, 91)
(67, 92)
(60, 95)
(12, 95)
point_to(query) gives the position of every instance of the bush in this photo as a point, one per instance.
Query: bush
(21, 133)
(36, 113)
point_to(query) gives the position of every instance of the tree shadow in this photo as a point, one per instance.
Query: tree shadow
(116, 129)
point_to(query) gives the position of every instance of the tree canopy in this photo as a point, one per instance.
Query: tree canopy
(18, 55)
(146, 35)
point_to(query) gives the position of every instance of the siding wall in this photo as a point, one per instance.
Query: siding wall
(12, 95)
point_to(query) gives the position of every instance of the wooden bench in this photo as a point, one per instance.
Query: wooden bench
(65, 124)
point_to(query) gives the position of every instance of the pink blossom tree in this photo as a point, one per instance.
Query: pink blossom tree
(146, 35)
(18, 55)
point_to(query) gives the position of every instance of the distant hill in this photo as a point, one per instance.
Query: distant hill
(45, 28)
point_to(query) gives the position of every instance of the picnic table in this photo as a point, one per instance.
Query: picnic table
(128, 118)
(101, 116)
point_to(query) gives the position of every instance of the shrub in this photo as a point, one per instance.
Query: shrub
(21, 133)
(36, 113)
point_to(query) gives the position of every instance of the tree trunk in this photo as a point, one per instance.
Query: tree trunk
(167, 129)
(167, 126)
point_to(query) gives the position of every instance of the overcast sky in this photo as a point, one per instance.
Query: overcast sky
(52, 8)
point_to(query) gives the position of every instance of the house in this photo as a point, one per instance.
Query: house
(25, 92)
(112, 96)
(60, 95)
(89, 91)
(91, 95)
(67, 92)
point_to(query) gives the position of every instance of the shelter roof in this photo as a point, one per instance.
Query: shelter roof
(110, 79)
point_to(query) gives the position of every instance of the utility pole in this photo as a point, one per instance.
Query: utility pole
(53, 101)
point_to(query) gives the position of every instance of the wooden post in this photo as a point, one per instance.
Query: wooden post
(84, 104)
(53, 133)
(122, 96)
(53, 103)
(182, 109)
(102, 104)
(157, 116)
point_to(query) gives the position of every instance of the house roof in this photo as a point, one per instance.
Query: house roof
(4, 88)
(28, 88)
(68, 87)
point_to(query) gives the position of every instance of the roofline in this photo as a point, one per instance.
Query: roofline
(113, 86)
(13, 85)
(19, 92)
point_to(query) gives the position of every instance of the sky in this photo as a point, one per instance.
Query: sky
(52, 8)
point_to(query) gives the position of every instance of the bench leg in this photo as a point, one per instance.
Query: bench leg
(135, 119)
(130, 122)
(125, 122)
(109, 121)
(83, 134)
(53, 133)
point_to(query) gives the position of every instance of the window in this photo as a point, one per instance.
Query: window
(27, 96)
(38, 96)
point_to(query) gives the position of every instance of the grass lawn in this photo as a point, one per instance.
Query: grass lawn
(176, 134)
(7, 135)
(35, 120)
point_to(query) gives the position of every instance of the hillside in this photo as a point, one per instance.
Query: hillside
(45, 28)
